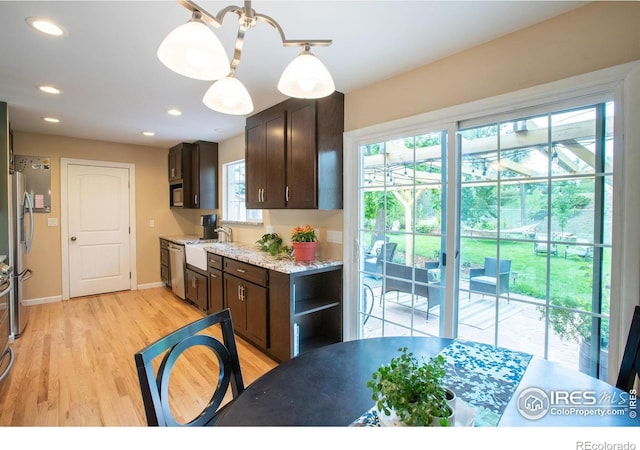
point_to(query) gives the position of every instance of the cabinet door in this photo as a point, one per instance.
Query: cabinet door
(254, 164)
(194, 179)
(233, 300)
(196, 289)
(191, 286)
(175, 163)
(216, 300)
(256, 308)
(265, 159)
(275, 151)
(248, 305)
(302, 172)
(202, 294)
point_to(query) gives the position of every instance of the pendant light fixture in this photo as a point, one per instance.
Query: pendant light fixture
(306, 77)
(194, 51)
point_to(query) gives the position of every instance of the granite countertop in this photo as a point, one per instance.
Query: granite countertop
(250, 254)
(187, 239)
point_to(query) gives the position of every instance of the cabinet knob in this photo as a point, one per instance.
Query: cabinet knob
(73, 238)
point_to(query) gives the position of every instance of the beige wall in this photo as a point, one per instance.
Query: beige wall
(593, 37)
(151, 179)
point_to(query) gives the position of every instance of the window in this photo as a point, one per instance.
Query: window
(234, 194)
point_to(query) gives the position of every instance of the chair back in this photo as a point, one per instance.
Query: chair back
(491, 266)
(630, 365)
(387, 252)
(155, 386)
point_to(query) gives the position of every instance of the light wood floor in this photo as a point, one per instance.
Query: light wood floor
(74, 363)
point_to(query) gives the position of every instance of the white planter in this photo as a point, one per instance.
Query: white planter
(392, 420)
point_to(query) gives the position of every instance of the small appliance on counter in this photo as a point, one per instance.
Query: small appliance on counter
(209, 225)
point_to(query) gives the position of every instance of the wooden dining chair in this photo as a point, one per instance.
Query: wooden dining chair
(630, 366)
(155, 385)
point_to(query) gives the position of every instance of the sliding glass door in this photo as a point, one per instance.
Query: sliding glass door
(402, 230)
(532, 202)
(535, 223)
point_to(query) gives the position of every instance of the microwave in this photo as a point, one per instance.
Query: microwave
(177, 196)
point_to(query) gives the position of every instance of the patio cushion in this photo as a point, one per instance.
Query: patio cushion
(485, 280)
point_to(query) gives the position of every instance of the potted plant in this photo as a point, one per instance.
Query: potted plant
(272, 243)
(572, 326)
(304, 241)
(412, 390)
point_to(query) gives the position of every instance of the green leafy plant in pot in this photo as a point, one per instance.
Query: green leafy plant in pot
(413, 390)
(272, 243)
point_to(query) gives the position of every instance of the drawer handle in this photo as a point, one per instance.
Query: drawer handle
(241, 270)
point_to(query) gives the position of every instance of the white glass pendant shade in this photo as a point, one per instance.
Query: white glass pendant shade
(193, 50)
(228, 96)
(306, 77)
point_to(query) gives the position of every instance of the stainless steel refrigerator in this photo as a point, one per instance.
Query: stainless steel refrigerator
(20, 239)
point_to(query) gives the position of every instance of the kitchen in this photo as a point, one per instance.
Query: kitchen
(154, 219)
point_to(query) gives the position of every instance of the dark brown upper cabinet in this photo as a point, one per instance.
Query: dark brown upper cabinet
(294, 155)
(193, 175)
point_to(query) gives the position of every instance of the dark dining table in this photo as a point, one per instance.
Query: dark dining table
(327, 387)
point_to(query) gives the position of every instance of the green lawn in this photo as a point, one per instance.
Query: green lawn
(567, 277)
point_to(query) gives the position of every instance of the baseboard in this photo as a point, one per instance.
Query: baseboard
(58, 298)
(42, 300)
(151, 285)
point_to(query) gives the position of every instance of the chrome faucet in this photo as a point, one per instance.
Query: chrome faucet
(226, 232)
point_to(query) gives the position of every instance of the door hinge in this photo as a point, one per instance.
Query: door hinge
(129, 275)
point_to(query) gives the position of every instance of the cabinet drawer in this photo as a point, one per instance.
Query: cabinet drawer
(164, 257)
(246, 271)
(214, 261)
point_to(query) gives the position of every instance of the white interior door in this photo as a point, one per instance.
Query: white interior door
(98, 229)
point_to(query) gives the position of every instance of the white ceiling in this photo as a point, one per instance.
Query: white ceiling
(114, 87)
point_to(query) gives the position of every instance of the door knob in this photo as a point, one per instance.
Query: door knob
(73, 238)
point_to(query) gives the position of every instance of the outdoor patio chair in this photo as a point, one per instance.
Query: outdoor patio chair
(491, 277)
(583, 251)
(543, 247)
(374, 264)
(630, 366)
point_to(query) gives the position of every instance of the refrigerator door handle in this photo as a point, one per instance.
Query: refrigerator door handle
(25, 275)
(8, 289)
(27, 205)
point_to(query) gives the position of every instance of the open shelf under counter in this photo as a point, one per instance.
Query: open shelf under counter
(314, 305)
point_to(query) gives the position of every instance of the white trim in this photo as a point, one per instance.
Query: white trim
(42, 300)
(620, 82)
(157, 284)
(64, 232)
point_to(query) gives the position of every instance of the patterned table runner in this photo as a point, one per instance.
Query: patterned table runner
(482, 375)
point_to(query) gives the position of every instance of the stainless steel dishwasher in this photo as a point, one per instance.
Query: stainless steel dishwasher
(176, 263)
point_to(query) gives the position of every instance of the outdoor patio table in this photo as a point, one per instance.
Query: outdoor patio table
(327, 387)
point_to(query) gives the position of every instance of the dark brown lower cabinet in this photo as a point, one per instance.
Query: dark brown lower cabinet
(216, 298)
(196, 288)
(305, 311)
(248, 304)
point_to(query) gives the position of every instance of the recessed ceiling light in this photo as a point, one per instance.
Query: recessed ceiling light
(45, 26)
(148, 133)
(49, 89)
(174, 112)
(51, 119)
